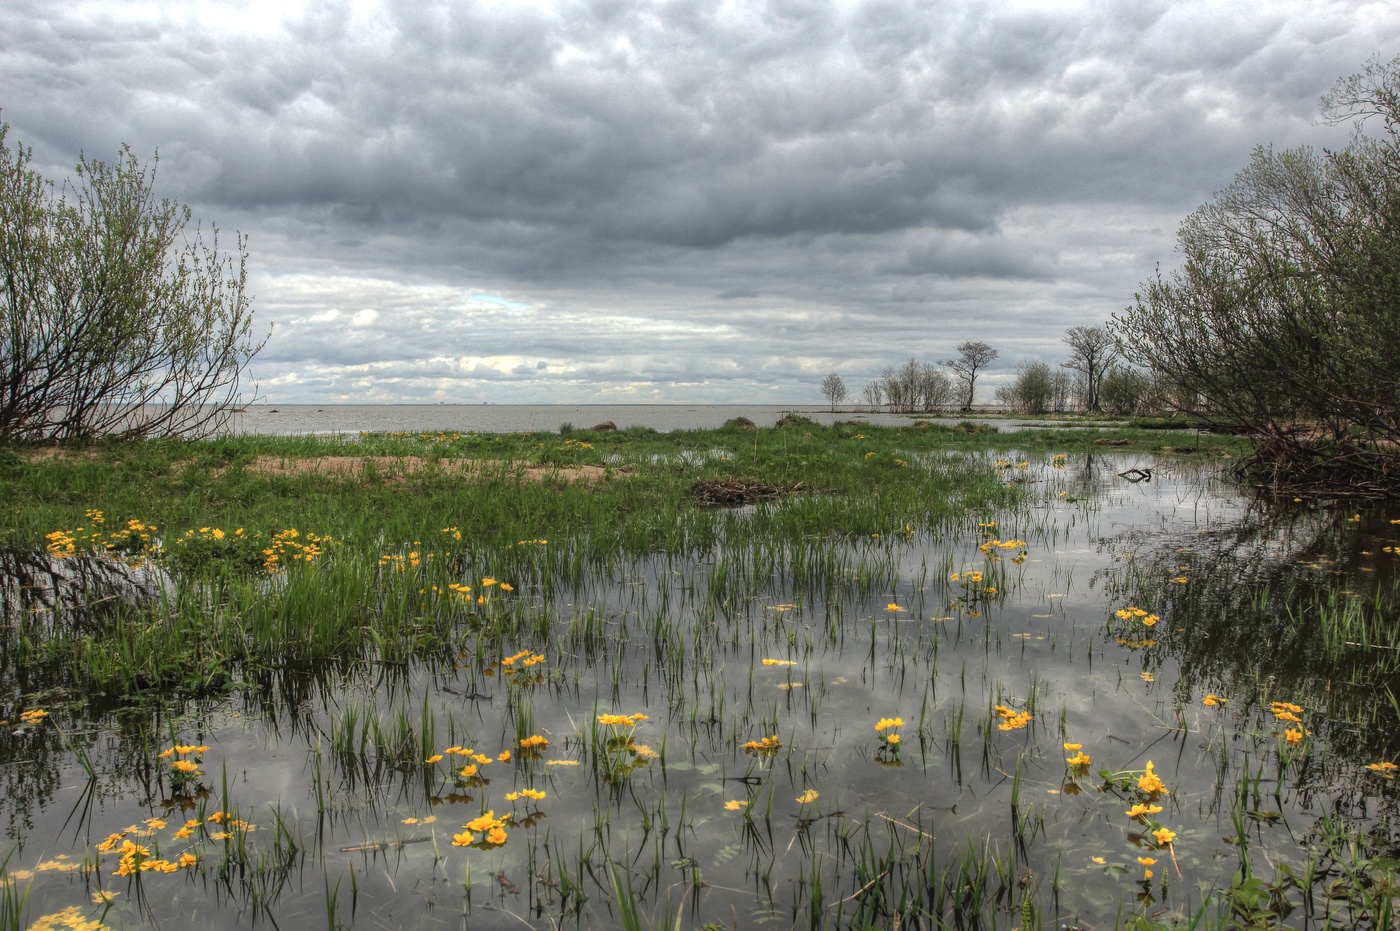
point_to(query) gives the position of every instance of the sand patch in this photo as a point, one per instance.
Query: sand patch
(400, 467)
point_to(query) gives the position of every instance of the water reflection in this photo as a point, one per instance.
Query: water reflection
(757, 676)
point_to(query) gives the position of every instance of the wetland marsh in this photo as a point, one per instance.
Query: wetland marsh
(933, 677)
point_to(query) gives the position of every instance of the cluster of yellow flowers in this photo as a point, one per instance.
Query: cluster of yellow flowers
(471, 762)
(1384, 769)
(287, 547)
(67, 919)
(488, 831)
(134, 539)
(1131, 613)
(779, 662)
(888, 729)
(33, 716)
(182, 769)
(1001, 465)
(966, 578)
(1285, 712)
(1079, 763)
(764, 746)
(133, 857)
(621, 720)
(491, 829)
(990, 547)
(1012, 720)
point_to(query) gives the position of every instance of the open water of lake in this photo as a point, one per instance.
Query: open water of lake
(300, 419)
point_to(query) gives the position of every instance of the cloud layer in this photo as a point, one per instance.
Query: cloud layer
(676, 201)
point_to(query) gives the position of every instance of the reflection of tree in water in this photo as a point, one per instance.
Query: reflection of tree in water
(1278, 605)
(46, 605)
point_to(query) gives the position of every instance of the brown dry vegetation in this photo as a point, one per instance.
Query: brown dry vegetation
(390, 468)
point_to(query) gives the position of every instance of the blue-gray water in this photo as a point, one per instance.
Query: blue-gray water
(297, 419)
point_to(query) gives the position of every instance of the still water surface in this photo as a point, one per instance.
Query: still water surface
(345, 828)
(295, 419)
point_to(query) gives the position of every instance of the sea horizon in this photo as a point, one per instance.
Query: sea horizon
(271, 419)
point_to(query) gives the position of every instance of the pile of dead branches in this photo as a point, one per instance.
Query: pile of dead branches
(731, 492)
(1324, 468)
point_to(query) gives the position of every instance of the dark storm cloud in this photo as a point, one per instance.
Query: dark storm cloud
(730, 182)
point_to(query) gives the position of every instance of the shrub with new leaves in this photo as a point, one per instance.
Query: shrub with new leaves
(116, 316)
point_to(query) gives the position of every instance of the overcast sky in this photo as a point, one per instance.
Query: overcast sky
(620, 201)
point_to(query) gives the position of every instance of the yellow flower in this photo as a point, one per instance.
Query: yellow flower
(504, 757)
(487, 582)
(185, 766)
(1079, 759)
(436, 757)
(465, 839)
(780, 662)
(496, 835)
(734, 804)
(507, 587)
(1150, 783)
(1294, 736)
(484, 823)
(534, 794)
(533, 741)
(1164, 837)
(892, 607)
(1384, 769)
(468, 771)
(809, 796)
(884, 723)
(1073, 747)
(1212, 701)
(1099, 860)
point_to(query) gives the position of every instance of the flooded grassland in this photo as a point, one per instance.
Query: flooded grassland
(923, 679)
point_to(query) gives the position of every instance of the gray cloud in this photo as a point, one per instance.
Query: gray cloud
(705, 201)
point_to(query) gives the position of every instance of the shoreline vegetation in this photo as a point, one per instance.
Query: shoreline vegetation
(844, 676)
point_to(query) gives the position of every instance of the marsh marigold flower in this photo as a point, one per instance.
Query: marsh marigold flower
(1150, 783)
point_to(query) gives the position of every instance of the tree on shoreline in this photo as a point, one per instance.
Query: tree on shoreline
(1281, 321)
(834, 389)
(1092, 351)
(116, 317)
(973, 356)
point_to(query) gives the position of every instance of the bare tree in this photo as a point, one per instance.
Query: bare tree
(872, 395)
(1092, 351)
(834, 389)
(972, 358)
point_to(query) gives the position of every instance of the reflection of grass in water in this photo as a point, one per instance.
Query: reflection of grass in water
(672, 607)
